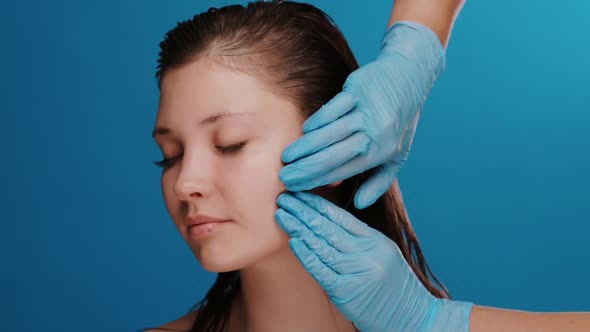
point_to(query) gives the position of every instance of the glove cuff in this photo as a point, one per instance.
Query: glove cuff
(450, 316)
(416, 42)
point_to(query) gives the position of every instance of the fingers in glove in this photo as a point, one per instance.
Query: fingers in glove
(334, 214)
(341, 104)
(314, 141)
(312, 220)
(376, 185)
(326, 253)
(324, 162)
(335, 225)
(322, 274)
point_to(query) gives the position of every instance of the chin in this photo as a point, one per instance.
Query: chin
(227, 260)
(218, 265)
(223, 260)
(218, 268)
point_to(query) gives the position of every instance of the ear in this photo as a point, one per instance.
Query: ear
(327, 190)
(334, 184)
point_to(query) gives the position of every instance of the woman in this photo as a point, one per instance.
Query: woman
(236, 85)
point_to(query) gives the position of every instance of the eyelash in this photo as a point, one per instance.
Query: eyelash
(233, 148)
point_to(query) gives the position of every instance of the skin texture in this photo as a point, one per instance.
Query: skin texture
(242, 186)
(487, 319)
(438, 15)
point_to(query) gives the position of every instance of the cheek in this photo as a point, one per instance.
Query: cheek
(253, 183)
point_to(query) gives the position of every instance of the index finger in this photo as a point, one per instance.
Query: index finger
(313, 224)
(334, 213)
(341, 104)
(316, 140)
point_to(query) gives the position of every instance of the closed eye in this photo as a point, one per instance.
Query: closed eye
(166, 163)
(231, 148)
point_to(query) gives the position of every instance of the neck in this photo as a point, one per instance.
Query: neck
(277, 294)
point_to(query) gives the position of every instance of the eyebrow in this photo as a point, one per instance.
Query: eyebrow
(205, 122)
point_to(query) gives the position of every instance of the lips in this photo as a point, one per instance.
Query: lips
(201, 219)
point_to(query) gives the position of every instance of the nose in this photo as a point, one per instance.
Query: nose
(195, 178)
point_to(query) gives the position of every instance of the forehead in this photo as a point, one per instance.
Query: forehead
(204, 87)
(205, 84)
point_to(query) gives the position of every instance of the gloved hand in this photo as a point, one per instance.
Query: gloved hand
(363, 271)
(372, 121)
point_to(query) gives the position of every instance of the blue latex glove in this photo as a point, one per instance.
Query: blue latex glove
(372, 121)
(363, 271)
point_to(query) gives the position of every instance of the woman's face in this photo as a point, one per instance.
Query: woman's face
(226, 134)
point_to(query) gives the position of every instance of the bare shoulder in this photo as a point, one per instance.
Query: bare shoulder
(182, 324)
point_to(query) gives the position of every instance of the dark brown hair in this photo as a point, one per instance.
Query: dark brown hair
(298, 51)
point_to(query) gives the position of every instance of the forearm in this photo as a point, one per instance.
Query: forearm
(438, 15)
(487, 319)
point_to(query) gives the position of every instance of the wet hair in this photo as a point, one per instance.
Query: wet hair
(298, 52)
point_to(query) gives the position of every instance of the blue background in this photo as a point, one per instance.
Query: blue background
(496, 185)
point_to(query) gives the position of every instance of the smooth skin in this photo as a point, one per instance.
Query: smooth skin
(309, 245)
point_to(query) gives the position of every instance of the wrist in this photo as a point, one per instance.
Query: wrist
(411, 52)
(415, 42)
(438, 15)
